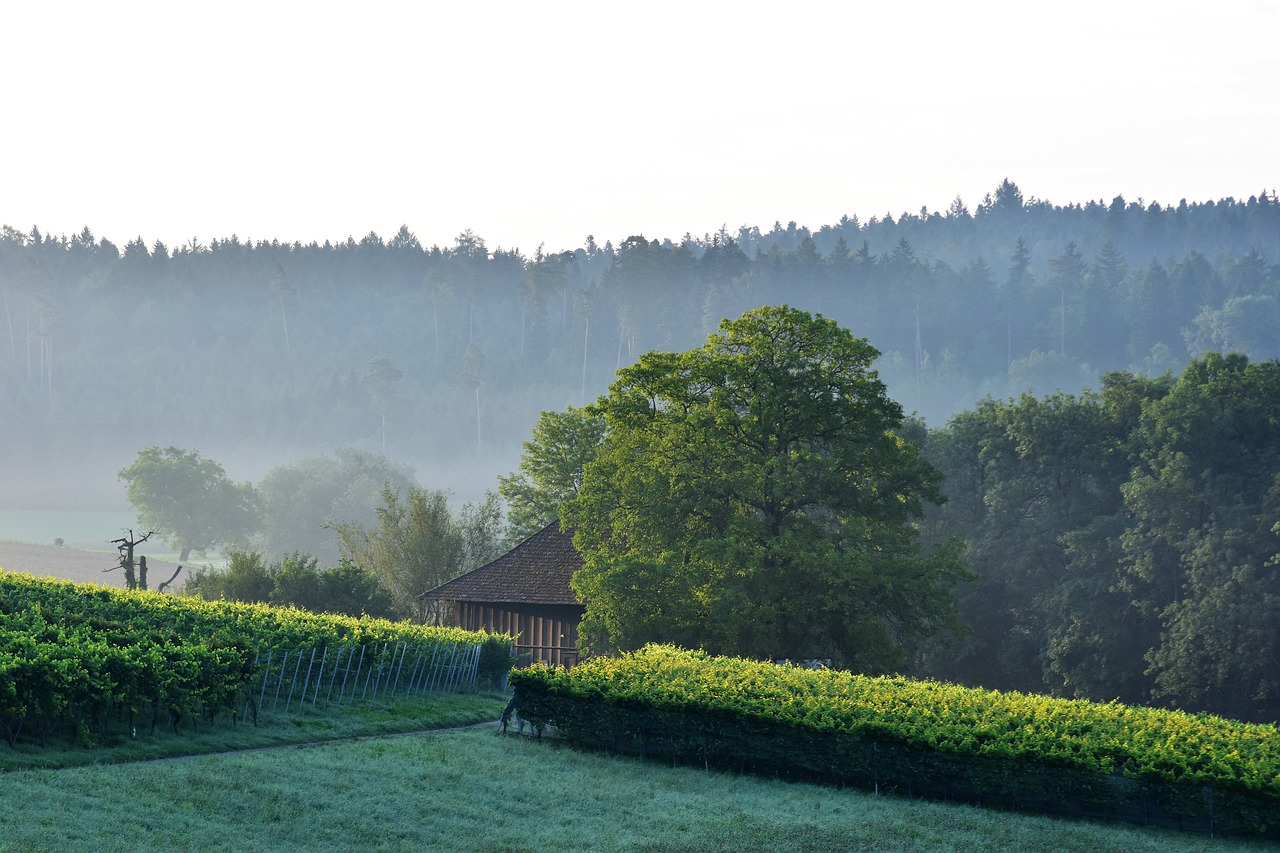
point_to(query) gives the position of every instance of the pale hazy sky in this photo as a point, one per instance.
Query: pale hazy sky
(539, 123)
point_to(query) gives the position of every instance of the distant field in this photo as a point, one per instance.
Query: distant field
(72, 564)
(88, 531)
(27, 540)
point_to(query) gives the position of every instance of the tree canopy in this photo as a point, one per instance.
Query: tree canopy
(752, 496)
(420, 542)
(1126, 541)
(1201, 546)
(302, 500)
(189, 499)
(461, 346)
(551, 467)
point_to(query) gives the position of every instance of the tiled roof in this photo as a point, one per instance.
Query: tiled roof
(537, 571)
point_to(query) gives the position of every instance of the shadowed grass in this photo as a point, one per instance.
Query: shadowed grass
(471, 791)
(302, 724)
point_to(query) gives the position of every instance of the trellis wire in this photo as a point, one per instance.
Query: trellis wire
(297, 664)
(319, 678)
(283, 662)
(378, 671)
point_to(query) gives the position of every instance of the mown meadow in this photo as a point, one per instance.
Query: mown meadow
(469, 790)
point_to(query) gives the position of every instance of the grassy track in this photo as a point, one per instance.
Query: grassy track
(305, 725)
(471, 791)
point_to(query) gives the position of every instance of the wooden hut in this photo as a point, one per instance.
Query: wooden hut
(525, 593)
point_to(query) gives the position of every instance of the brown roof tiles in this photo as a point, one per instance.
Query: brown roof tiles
(537, 571)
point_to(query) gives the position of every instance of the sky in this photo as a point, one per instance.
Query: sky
(538, 124)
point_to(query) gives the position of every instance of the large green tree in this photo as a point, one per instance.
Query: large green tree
(1201, 547)
(189, 499)
(754, 497)
(1033, 486)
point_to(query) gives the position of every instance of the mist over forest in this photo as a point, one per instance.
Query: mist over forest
(258, 353)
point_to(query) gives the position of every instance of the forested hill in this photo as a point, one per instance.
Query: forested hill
(259, 353)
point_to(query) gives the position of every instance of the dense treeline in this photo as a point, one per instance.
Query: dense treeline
(259, 352)
(1126, 541)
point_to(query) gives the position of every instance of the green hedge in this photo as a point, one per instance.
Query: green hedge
(918, 737)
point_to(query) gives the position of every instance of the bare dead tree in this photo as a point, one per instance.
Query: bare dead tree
(125, 545)
(162, 586)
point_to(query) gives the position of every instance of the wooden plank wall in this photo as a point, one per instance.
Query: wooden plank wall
(546, 639)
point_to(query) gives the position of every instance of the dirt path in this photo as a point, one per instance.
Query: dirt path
(70, 564)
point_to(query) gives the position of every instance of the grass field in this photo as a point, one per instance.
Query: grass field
(85, 530)
(469, 790)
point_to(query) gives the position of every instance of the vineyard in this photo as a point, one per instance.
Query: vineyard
(88, 661)
(918, 738)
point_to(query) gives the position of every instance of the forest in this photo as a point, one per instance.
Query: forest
(1096, 382)
(259, 353)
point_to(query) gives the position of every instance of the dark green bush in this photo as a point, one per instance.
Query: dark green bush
(295, 581)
